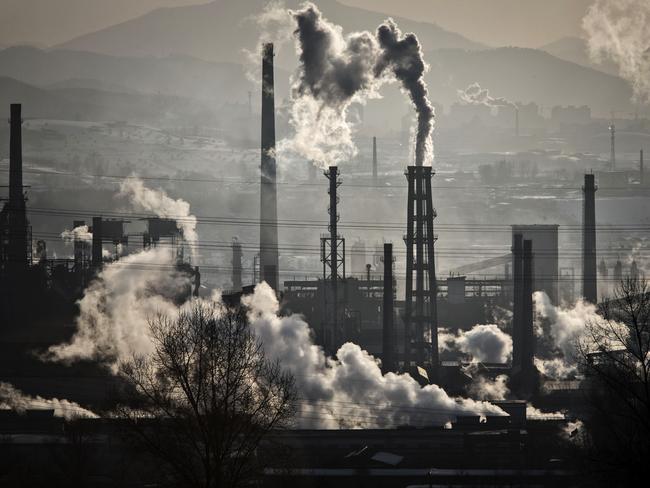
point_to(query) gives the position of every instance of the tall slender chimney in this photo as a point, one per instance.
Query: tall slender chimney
(641, 175)
(268, 189)
(589, 277)
(528, 335)
(612, 156)
(17, 217)
(236, 265)
(79, 246)
(517, 299)
(388, 335)
(97, 258)
(374, 159)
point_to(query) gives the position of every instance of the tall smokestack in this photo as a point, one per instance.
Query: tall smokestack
(517, 121)
(78, 246)
(374, 159)
(641, 175)
(612, 156)
(236, 265)
(268, 189)
(388, 335)
(517, 299)
(17, 217)
(528, 334)
(97, 258)
(589, 277)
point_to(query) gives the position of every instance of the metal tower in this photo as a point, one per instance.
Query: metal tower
(333, 258)
(420, 304)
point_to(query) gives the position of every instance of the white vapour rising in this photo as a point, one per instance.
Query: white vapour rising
(77, 234)
(158, 202)
(114, 311)
(475, 95)
(568, 326)
(618, 29)
(484, 343)
(275, 25)
(13, 399)
(483, 388)
(349, 391)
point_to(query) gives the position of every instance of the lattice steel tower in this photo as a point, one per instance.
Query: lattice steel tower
(333, 258)
(420, 305)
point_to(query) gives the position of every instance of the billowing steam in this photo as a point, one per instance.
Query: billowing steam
(13, 399)
(157, 201)
(349, 390)
(403, 56)
(484, 343)
(113, 313)
(484, 388)
(336, 71)
(618, 29)
(568, 328)
(475, 95)
(78, 234)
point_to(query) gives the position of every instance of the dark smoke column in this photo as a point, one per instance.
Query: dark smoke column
(268, 189)
(403, 55)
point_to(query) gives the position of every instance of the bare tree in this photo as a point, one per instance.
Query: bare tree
(615, 354)
(203, 400)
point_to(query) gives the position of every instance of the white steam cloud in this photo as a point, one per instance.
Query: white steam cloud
(618, 29)
(114, 311)
(13, 399)
(349, 391)
(157, 201)
(475, 95)
(484, 343)
(483, 388)
(78, 234)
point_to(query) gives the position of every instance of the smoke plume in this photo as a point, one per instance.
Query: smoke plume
(77, 234)
(337, 70)
(618, 29)
(484, 343)
(483, 388)
(349, 391)
(113, 314)
(157, 201)
(13, 399)
(403, 56)
(475, 95)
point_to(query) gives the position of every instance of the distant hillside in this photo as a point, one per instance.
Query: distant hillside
(86, 104)
(526, 75)
(518, 74)
(575, 50)
(218, 31)
(178, 75)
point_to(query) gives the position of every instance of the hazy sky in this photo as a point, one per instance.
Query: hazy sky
(526, 23)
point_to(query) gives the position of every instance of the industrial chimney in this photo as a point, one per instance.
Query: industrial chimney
(374, 159)
(388, 335)
(641, 175)
(589, 277)
(236, 265)
(612, 156)
(16, 216)
(97, 257)
(517, 299)
(268, 190)
(527, 332)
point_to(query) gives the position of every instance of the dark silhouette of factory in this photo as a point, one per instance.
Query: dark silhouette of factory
(400, 327)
